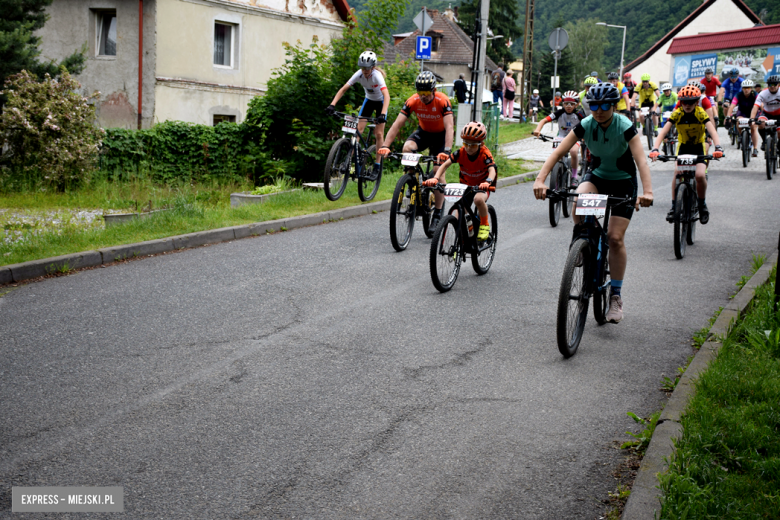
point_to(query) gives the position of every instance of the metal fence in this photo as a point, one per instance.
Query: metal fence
(490, 118)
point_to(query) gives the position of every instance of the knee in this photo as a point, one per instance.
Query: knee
(615, 241)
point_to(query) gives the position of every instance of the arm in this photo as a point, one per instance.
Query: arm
(385, 101)
(540, 126)
(710, 126)
(540, 190)
(441, 173)
(660, 139)
(638, 152)
(400, 121)
(340, 93)
(449, 132)
(754, 111)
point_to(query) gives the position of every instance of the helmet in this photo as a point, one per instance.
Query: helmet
(570, 95)
(666, 86)
(708, 70)
(425, 81)
(536, 91)
(474, 132)
(695, 83)
(689, 93)
(594, 74)
(557, 94)
(603, 93)
(613, 75)
(748, 83)
(734, 72)
(627, 75)
(774, 78)
(367, 59)
(645, 77)
(591, 81)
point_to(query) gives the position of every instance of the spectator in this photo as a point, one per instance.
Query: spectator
(509, 95)
(497, 84)
(459, 86)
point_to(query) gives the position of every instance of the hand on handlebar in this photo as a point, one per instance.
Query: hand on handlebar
(430, 183)
(330, 110)
(484, 186)
(654, 154)
(540, 189)
(645, 200)
(383, 151)
(442, 157)
(536, 133)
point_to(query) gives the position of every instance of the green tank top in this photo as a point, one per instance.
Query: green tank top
(610, 147)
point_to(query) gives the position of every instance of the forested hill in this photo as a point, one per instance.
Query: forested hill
(647, 21)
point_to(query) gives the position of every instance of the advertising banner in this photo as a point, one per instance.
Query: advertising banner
(689, 67)
(751, 63)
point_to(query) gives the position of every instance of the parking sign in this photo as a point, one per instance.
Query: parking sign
(423, 48)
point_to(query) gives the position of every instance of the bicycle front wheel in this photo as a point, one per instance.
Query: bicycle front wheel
(446, 254)
(402, 210)
(573, 298)
(337, 169)
(367, 188)
(771, 162)
(486, 251)
(556, 179)
(428, 204)
(565, 209)
(680, 221)
(601, 293)
(745, 149)
(649, 132)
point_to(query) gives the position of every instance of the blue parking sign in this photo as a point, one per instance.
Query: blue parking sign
(423, 48)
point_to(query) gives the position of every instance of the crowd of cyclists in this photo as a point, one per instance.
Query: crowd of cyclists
(599, 118)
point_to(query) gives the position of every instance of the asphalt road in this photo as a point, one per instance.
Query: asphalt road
(317, 373)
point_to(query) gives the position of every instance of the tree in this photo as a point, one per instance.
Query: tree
(503, 19)
(565, 72)
(587, 42)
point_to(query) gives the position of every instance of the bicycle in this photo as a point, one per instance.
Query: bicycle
(686, 211)
(670, 141)
(731, 123)
(632, 116)
(560, 177)
(586, 271)
(648, 129)
(411, 200)
(745, 139)
(771, 152)
(456, 237)
(535, 113)
(351, 156)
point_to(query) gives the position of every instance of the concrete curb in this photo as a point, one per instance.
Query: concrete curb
(645, 499)
(16, 273)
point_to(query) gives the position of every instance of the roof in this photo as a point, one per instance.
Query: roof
(739, 39)
(680, 26)
(343, 9)
(455, 47)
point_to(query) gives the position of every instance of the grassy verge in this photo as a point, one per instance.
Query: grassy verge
(727, 464)
(510, 132)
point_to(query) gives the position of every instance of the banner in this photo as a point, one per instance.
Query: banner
(682, 66)
(771, 64)
(751, 63)
(690, 67)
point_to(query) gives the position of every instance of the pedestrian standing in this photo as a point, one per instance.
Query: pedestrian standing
(497, 84)
(459, 86)
(509, 94)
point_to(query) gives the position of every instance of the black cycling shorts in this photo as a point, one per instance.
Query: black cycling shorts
(434, 142)
(690, 149)
(621, 188)
(647, 103)
(371, 107)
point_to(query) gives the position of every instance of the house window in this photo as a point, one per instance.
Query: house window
(106, 33)
(435, 44)
(218, 118)
(224, 35)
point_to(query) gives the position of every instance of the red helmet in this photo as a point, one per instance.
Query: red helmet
(570, 95)
(627, 75)
(474, 132)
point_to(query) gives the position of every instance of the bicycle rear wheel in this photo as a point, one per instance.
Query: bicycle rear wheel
(680, 224)
(771, 162)
(367, 189)
(573, 298)
(745, 149)
(691, 211)
(566, 182)
(428, 204)
(601, 293)
(648, 131)
(337, 169)
(446, 254)
(402, 212)
(733, 134)
(483, 258)
(556, 178)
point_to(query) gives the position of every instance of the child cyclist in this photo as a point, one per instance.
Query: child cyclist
(692, 122)
(567, 118)
(377, 99)
(477, 168)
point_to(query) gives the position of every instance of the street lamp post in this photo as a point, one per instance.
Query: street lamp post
(623, 50)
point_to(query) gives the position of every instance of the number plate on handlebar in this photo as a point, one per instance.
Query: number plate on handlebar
(350, 125)
(454, 192)
(771, 122)
(686, 163)
(743, 122)
(591, 204)
(410, 159)
(557, 141)
(645, 110)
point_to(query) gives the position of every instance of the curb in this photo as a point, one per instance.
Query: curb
(645, 499)
(16, 273)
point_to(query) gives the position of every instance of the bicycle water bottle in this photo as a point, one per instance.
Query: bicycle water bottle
(470, 225)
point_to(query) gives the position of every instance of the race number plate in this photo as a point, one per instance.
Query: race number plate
(771, 122)
(666, 115)
(350, 125)
(454, 192)
(743, 122)
(686, 163)
(645, 110)
(410, 159)
(591, 204)
(557, 141)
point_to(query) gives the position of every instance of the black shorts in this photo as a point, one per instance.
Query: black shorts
(434, 142)
(371, 107)
(647, 104)
(621, 188)
(690, 149)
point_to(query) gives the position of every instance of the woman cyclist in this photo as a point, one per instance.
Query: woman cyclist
(742, 104)
(377, 99)
(617, 152)
(567, 118)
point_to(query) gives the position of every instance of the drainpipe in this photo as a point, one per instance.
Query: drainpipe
(140, 58)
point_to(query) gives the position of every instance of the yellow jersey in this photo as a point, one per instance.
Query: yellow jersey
(690, 126)
(621, 105)
(646, 94)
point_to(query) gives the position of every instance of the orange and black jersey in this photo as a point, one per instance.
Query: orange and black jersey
(473, 172)
(430, 116)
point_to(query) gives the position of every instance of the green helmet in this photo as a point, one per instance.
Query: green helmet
(590, 80)
(645, 77)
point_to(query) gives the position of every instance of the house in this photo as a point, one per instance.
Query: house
(711, 16)
(199, 61)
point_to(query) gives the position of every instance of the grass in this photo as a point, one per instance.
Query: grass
(510, 132)
(727, 463)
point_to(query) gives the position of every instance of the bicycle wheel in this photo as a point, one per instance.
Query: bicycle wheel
(770, 155)
(337, 169)
(402, 210)
(573, 298)
(733, 135)
(427, 198)
(446, 254)
(745, 149)
(601, 294)
(649, 132)
(366, 188)
(556, 178)
(680, 223)
(483, 259)
(565, 208)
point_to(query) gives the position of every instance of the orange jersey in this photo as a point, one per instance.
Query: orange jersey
(430, 116)
(472, 173)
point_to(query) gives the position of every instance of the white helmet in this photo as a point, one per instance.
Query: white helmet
(666, 86)
(748, 83)
(536, 91)
(367, 59)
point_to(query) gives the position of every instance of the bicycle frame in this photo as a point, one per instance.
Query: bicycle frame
(463, 207)
(356, 140)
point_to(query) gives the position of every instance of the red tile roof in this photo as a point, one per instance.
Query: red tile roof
(680, 26)
(754, 37)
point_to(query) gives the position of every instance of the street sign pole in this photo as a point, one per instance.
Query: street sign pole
(425, 14)
(483, 31)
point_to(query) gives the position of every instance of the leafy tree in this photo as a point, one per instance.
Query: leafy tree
(503, 19)
(565, 72)
(587, 42)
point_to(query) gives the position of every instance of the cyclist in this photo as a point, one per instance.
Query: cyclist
(534, 101)
(630, 84)
(556, 102)
(622, 106)
(377, 99)
(666, 101)
(567, 118)
(692, 122)
(647, 94)
(742, 104)
(477, 168)
(434, 113)
(730, 88)
(584, 108)
(711, 84)
(769, 102)
(617, 153)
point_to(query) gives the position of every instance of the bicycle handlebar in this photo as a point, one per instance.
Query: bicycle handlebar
(568, 193)
(545, 138)
(699, 158)
(342, 115)
(423, 158)
(440, 187)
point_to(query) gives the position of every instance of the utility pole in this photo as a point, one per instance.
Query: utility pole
(479, 69)
(528, 51)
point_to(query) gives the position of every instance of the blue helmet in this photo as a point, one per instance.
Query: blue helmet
(734, 72)
(603, 93)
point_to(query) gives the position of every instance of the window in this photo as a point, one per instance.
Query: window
(223, 44)
(106, 33)
(218, 118)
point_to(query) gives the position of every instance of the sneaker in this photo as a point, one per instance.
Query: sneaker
(615, 312)
(484, 232)
(670, 215)
(575, 181)
(704, 214)
(373, 174)
(435, 218)
(763, 146)
(755, 152)
(655, 133)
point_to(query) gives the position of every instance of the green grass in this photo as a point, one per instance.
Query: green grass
(727, 463)
(510, 132)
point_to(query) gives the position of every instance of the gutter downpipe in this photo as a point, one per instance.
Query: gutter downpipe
(140, 58)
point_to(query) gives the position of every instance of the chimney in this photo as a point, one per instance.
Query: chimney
(449, 13)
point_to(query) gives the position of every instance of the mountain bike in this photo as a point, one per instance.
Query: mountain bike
(560, 177)
(649, 126)
(733, 131)
(670, 141)
(534, 114)
(351, 156)
(411, 200)
(456, 237)
(771, 151)
(686, 211)
(745, 139)
(634, 119)
(586, 272)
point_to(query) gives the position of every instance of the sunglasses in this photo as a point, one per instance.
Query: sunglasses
(569, 104)
(604, 107)
(689, 102)
(366, 69)
(424, 93)
(471, 143)
(771, 84)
